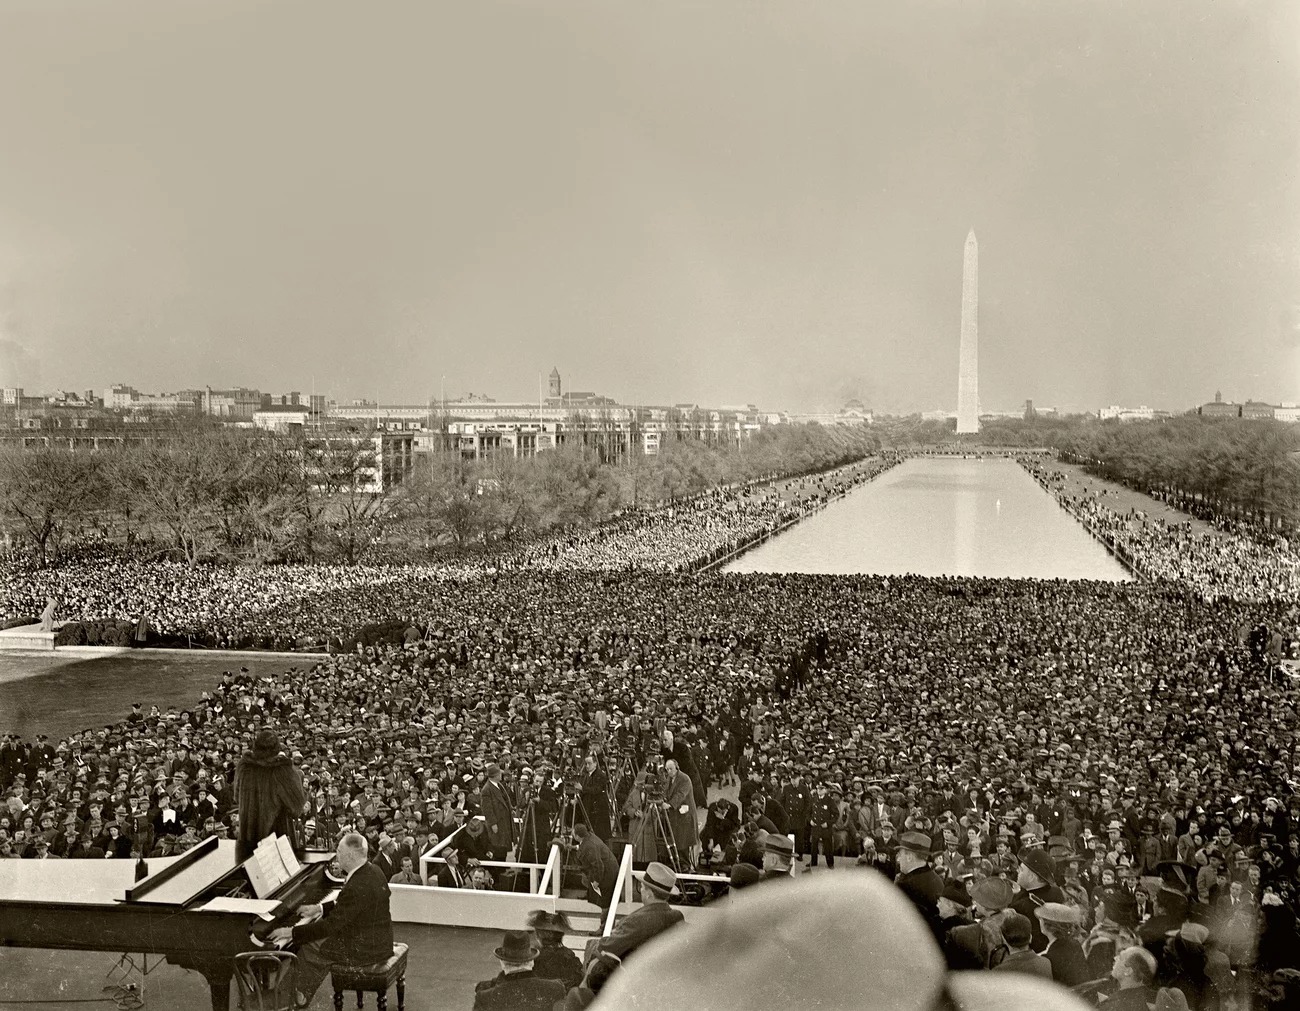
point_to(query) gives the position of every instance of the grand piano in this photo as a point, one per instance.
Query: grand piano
(95, 905)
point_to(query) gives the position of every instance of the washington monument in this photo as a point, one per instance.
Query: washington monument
(968, 400)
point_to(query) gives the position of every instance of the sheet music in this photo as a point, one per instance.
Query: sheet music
(265, 908)
(266, 867)
(287, 856)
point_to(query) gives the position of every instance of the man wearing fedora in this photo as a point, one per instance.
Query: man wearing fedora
(1037, 881)
(653, 918)
(919, 881)
(554, 961)
(778, 857)
(517, 987)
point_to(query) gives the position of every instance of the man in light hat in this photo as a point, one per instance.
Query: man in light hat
(652, 919)
(517, 987)
(786, 946)
(778, 857)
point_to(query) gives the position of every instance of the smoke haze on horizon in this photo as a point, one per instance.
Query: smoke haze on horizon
(728, 202)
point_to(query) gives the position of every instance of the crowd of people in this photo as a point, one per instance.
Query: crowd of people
(288, 607)
(1115, 765)
(1223, 563)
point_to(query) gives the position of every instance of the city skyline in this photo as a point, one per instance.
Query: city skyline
(680, 210)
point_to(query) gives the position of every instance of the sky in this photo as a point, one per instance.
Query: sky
(721, 202)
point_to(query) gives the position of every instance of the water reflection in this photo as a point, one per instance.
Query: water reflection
(941, 517)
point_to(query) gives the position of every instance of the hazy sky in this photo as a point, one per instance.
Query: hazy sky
(715, 201)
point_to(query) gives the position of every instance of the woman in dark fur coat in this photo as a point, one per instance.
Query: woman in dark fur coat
(270, 794)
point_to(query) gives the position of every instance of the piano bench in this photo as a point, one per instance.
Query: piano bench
(367, 978)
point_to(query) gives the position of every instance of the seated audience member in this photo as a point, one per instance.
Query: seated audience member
(653, 917)
(358, 930)
(450, 874)
(406, 875)
(517, 987)
(554, 961)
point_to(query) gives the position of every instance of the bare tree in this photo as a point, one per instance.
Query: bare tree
(47, 489)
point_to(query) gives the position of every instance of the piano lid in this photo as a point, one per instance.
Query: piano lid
(63, 882)
(188, 877)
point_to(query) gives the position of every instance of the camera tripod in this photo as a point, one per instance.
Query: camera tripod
(654, 819)
(533, 839)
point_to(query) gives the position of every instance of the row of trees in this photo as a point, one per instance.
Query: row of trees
(1225, 468)
(209, 493)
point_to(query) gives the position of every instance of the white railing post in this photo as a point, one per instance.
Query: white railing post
(622, 890)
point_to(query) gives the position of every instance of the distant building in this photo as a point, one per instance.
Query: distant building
(283, 418)
(1289, 413)
(120, 397)
(1257, 410)
(231, 405)
(1219, 408)
(1142, 413)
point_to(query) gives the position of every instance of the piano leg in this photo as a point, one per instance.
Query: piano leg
(219, 984)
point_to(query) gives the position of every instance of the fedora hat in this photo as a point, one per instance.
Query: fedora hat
(518, 947)
(661, 879)
(916, 842)
(777, 843)
(1040, 863)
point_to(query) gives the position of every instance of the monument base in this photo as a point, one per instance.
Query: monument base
(26, 637)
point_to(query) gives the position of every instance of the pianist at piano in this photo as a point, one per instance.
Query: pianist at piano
(358, 930)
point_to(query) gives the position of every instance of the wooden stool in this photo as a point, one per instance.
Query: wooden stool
(377, 977)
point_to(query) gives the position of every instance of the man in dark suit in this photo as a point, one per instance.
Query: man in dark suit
(498, 810)
(1017, 932)
(450, 874)
(517, 987)
(358, 930)
(1037, 880)
(919, 881)
(599, 866)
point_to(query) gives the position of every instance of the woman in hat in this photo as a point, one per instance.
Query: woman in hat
(270, 794)
(554, 961)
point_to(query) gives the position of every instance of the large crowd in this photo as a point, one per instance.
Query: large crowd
(1127, 752)
(1221, 563)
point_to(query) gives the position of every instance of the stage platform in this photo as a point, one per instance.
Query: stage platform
(26, 638)
(445, 963)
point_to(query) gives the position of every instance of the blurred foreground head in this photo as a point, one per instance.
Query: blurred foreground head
(829, 941)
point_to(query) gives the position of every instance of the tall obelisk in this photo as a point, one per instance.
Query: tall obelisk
(968, 401)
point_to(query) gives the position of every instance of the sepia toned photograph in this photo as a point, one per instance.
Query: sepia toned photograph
(704, 505)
